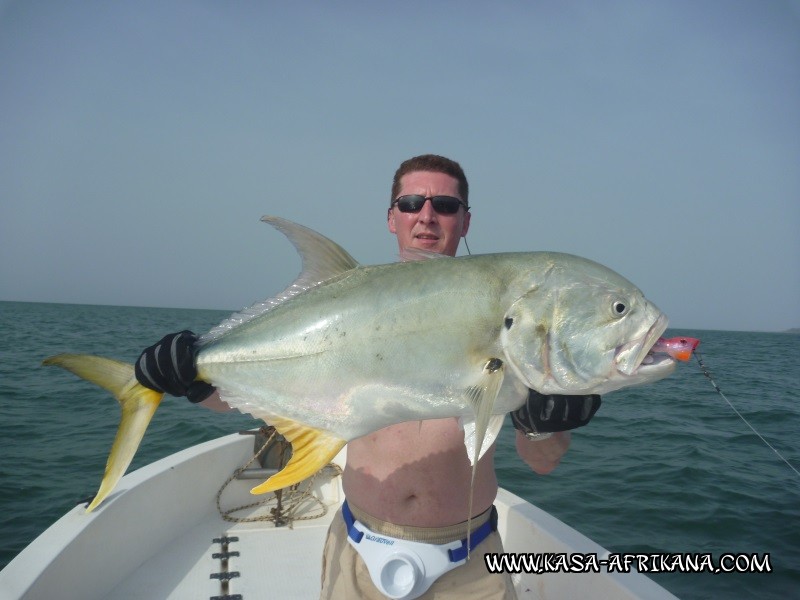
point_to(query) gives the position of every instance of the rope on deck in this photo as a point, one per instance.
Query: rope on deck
(284, 504)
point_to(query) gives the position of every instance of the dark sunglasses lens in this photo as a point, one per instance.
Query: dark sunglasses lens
(445, 205)
(410, 204)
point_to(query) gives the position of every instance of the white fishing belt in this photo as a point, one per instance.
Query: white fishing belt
(405, 569)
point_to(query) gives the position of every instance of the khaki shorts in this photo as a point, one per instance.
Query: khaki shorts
(345, 576)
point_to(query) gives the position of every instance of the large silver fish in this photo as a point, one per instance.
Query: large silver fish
(349, 349)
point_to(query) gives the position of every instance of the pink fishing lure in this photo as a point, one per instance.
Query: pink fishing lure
(679, 348)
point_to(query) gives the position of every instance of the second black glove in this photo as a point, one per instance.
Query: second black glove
(546, 414)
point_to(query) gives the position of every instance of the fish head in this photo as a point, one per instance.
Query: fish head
(583, 329)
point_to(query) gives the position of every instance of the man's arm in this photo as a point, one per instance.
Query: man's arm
(215, 403)
(543, 427)
(542, 456)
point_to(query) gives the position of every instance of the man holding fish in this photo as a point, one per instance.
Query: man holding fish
(410, 484)
(406, 361)
(413, 479)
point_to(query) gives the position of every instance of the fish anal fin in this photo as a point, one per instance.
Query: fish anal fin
(138, 405)
(312, 449)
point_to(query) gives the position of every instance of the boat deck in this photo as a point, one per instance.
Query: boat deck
(216, 558)
(161, 535)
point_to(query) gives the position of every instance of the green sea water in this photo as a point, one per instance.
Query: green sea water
(663, 468)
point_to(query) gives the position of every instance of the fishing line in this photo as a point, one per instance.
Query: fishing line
(707, 373)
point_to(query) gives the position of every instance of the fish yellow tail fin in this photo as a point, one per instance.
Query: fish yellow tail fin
(138, 404)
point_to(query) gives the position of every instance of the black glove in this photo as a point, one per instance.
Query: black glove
(545, 414)
(168, 367)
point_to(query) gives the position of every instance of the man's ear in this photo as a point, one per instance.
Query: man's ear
(390, 221)
(465, 227)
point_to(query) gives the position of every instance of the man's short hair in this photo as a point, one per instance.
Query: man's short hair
(436, 164)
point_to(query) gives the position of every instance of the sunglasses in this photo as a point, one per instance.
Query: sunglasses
(444, 205)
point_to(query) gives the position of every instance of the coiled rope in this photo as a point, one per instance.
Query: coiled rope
(284, 504)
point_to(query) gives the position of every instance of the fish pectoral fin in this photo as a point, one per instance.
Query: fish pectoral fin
(492, 431)
(481, 397)
(312, 449)
(138, 405)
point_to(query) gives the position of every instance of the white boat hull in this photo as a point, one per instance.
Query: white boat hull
(154, 537)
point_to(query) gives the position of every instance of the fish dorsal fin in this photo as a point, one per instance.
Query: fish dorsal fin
(412, 254)
(322, 259)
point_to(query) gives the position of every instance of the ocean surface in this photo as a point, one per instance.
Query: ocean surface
(667, 467)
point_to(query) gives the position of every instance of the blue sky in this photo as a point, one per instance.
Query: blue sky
(141, 142)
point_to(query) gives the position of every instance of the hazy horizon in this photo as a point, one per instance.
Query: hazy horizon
(140, 143)
(232, 311)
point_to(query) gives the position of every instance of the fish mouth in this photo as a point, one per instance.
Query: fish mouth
(631, 356)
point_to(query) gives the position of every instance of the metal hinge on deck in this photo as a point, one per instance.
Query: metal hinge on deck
(225, 575)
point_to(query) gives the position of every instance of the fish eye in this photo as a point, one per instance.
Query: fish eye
(619, 308)
(509, 322)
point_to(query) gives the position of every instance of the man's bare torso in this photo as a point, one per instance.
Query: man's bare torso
(417, 473)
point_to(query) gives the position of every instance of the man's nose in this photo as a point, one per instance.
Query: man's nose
(426, 213)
